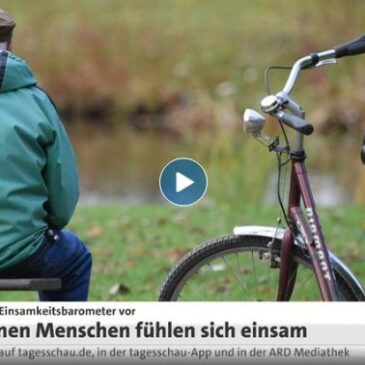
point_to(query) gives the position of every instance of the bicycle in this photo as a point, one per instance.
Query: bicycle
(273, 263)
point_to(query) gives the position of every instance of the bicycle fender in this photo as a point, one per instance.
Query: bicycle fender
(278, 233)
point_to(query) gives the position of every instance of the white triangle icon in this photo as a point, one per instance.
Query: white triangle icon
(182, 182)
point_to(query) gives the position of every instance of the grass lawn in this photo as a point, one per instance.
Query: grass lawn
(136, 246)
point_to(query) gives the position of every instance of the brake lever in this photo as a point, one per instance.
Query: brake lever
(328, 61)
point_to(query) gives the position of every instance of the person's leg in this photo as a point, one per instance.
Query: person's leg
(67, 258)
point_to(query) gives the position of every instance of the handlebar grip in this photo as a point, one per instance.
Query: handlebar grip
(352, 48)
(296, 123)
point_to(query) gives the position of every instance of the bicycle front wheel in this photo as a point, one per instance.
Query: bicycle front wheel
(237, 268)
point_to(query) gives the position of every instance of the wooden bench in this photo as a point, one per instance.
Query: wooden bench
(30, 284)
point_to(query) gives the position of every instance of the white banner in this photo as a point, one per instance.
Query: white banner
(182, 333)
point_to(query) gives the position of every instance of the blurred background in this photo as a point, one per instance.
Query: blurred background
(138, 83)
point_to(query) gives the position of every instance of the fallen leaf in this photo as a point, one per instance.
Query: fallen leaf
(104, 251)
(119, 288)
(161, 221)
(95, 232)
(198, 230)
(138, 251)
(179, 217)
(175, 254)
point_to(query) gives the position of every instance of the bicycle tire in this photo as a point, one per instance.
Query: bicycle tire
(214, 248)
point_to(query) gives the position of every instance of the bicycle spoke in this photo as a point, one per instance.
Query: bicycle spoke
(191, 288)
(303, 284)
(241, 269)
(255, 274)
(269, 278)
(182, 297)
(234, 273)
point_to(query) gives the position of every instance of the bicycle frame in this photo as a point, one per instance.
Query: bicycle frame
(310, 229)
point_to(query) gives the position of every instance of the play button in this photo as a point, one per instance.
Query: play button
(183, 181)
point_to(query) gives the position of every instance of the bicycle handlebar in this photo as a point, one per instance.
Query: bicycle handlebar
(305, 62)
(351, 48)
(295, 122)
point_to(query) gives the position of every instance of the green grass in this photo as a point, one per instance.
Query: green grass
(136, 246)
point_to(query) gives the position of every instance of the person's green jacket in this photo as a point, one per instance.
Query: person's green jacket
(39, 185)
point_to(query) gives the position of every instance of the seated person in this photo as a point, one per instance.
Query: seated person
(39, 185)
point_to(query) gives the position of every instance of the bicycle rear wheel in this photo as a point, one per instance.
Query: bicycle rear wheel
(235, 268)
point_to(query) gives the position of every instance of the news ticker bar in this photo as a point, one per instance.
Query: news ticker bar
(182, 332)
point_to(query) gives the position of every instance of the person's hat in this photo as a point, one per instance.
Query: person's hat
(7, 24)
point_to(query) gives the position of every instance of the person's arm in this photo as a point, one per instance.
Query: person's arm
(61, 178)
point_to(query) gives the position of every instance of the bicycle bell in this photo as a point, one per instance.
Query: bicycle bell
(269, 103)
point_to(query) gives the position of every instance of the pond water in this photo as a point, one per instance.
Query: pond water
(327, 191)
(121, 165)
